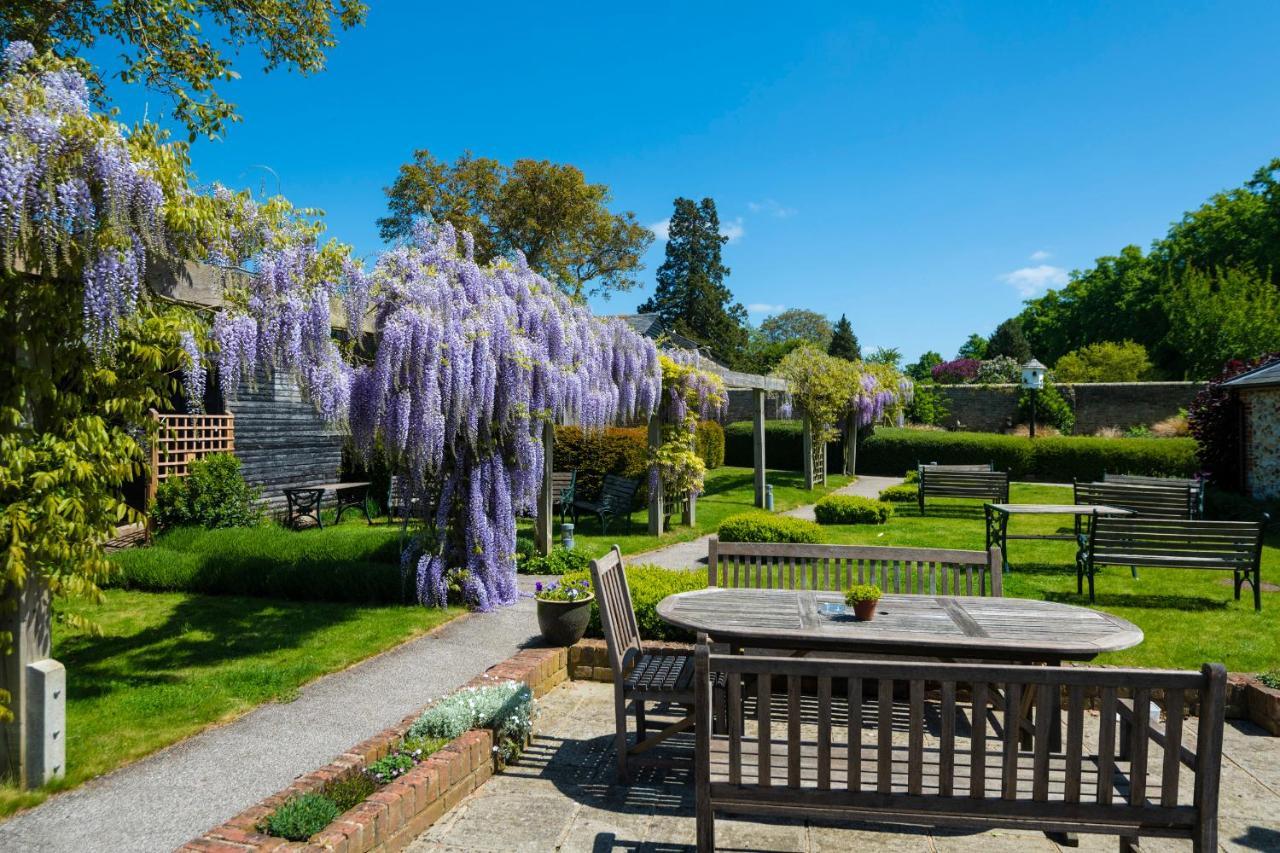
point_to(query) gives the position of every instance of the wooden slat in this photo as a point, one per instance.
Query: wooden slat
(1173, 709)
(824, 733)
(733, 719)
(793, 731)
(1075, 742)
(884, 738)
(915, 738)
(764, 719)
(855, 734)
(1138, 747)
(947, 737)
(1045, 694)
(1012, 731)
(1106, 745)
(978, 742)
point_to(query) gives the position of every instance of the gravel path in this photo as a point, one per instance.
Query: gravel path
(687, 555)
(169, 797)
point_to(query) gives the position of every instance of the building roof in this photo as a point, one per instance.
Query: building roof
(651, 326)
(1260, 377)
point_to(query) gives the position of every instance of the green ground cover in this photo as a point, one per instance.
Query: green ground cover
(170, 664)
(1188, 617)
(728, 490)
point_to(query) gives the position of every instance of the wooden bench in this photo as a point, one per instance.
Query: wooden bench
(1195, 484)
(925, 571)
(617, 497)
(843, 757)
(1162, 543)
(961, 481)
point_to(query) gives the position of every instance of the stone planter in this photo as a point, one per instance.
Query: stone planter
(1264, 705)
(564, 623)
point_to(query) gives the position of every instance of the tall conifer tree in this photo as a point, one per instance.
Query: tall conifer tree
(844, 343)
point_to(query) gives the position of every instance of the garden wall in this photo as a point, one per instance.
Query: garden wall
(281, 440)
(993, 408)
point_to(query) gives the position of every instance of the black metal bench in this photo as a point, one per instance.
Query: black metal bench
(1194, 484)
(563, 486)
(617, 497)
(1160, 543)
(1146, 500)
(961, 763)
(962, 481)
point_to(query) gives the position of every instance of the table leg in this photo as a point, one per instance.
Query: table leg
(1004, 541)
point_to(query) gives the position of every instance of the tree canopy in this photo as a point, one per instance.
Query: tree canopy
(974, 347)
(546, 210)
(691, 296)
(1008, 341)
(797, 324)
(922, 370)
(183, 50)
(1104, 362)
(844, 343)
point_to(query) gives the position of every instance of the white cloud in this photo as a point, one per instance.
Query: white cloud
(765, 308)
(1041, 255)
(733, 230)
(1031, 280)
(772, 208)
(661, 230)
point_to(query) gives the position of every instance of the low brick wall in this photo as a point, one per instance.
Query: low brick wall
(402, 810)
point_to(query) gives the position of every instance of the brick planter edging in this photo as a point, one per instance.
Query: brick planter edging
(589, 661)
(400, 811)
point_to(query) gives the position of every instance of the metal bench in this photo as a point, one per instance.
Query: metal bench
(1161, 543)
(925, 571)
(1144, 500)
(563, 486)
(617, 497)
(961, 481)
(843, 756)
(1195, 484)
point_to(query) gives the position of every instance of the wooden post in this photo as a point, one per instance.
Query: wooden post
(26, 615)
(851, 446)
(690, 516)
(655, 479)
(544, 525)
(810, 476)
(757, 442)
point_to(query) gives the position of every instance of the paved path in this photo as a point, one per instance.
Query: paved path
(687, 555)
(173, 795)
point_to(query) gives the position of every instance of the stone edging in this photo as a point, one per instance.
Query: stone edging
(403, 809)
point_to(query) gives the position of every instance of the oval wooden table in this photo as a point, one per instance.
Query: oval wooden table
(1008, 629)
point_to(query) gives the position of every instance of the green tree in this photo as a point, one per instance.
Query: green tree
(691, 296)
(1009, 341)
(1214, 318)
(797, 324)
(974, 347)
(922, 370)
(844, 343)
(183, 48)
(762, 355)
(546, 210)
(1105, 362)
(889, 356)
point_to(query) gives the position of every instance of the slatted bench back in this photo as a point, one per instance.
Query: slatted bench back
(617, 616)
(1152, 542)
(842, 755)
(934, 466)
(940, 483)
(1195, 484)
(830, 568)
(562, 482)
(619, 493)
(1144, 499)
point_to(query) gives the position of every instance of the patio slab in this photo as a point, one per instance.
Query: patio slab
(563, 797)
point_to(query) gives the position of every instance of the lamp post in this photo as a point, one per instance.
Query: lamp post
(1033, 380)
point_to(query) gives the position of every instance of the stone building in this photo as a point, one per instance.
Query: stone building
(1259, 393)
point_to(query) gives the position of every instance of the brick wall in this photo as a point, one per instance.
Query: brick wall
(992, 408)
(1262, 442)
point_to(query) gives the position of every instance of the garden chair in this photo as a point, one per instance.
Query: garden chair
(617, 496)
(564, 484)
(660, 676)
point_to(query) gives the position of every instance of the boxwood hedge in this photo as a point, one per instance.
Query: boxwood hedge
(852, 509)
(783, 446)
(762, 526)
(649, 585)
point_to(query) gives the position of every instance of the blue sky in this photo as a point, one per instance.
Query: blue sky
(920, 167)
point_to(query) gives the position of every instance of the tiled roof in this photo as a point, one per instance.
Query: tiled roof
(1261, 376)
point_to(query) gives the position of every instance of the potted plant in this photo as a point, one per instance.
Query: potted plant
(863, 598)
(564, 609)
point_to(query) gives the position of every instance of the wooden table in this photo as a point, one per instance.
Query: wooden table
(998, 522)
(304, 501)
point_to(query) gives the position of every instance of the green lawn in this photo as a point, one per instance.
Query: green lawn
(171, 664)
(728, 490)
(1189, 617)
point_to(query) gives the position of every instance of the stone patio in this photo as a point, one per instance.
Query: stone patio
(563, 797)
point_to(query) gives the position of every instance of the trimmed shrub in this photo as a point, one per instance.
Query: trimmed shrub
(1063, 458)
(892, 451)
(595, 453)
(710, 443)
(904, 493)
(783, 446)
(851, 509)
(649, 585)
(761, 526)
(301, 817)
(213, 494)
(558, 562)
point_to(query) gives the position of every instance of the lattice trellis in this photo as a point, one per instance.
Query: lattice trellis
(182, 439)
(819, 462)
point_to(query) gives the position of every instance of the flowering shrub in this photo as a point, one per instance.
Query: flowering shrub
(393, 765)
(999, 370)
(689, 394)
(565, 590)
(506, 708)
(956, 371)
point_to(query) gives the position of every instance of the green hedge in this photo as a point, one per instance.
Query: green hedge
(1056, 459)
(905, 493)
(649, 585)
(761, 526)
(595, 453)
(710, 443)
(851, 509)
(783, 446)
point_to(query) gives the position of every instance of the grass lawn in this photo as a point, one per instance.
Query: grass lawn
(728, 490)
(171, 664)
(1188, 617)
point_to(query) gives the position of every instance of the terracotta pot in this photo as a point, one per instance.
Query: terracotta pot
(865, 610)
(564, 623)
(1264, 705)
